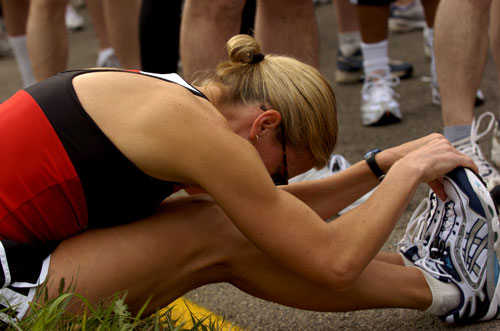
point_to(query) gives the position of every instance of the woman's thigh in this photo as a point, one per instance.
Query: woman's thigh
(186, 244)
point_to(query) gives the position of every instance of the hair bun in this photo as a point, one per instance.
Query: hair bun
(244, 49)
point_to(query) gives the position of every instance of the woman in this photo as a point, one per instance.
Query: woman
(91, 155)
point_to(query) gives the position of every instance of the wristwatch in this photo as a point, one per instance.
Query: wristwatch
(370, 160)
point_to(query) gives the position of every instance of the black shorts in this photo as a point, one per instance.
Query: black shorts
(23, 268)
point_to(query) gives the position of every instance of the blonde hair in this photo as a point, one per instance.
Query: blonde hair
(300, 93)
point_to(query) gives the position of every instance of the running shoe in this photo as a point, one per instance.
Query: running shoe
(464, 250)
(378, 100)
(74, 21)
(336, 164)
(420, 228)
(106, 58)
(470, 147)
(349, 69)
(406, 18)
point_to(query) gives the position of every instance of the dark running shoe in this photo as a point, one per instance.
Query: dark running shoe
(350, 68)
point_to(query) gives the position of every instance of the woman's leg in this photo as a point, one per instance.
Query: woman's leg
(191, 243)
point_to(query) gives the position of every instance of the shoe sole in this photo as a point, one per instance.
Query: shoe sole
(404, 25)
(386, 119)
(484, 203)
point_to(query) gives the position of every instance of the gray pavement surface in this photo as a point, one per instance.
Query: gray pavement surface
(420, 117)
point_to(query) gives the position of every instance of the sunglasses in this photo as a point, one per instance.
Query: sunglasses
(280, 178)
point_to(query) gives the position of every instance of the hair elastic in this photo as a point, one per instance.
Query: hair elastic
(257, 58)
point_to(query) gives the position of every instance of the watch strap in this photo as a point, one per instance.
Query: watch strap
(372, 163)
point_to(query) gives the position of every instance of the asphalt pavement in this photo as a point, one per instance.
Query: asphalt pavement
(420, 117)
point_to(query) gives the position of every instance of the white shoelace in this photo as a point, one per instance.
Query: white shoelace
(472, 149)
(428, 248)
(414, 235)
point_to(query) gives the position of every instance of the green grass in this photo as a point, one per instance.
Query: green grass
(111, 316)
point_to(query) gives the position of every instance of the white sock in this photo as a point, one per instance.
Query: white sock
(20, 48)
(375, 58)
(445, 296)
(349, 42)
(430, 36)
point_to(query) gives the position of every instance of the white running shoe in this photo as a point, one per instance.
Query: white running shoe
(378, 100)
(470, 147)
(464, 250)
(406, 18)
(106, 58)
(336, 164)
(74, 21)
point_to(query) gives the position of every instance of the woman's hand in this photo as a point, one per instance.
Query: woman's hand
(434, 158)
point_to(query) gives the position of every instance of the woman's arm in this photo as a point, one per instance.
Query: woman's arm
(330, 195)
(292, 233)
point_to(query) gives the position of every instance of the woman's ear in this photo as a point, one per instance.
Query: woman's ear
(265, 122)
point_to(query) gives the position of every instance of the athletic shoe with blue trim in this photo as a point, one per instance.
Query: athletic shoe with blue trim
(464, 250)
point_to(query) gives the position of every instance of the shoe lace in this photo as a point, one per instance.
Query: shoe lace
(434, 249)
(414, 234)
(472, 148)
(379, 87)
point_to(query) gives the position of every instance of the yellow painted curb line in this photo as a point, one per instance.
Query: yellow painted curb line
(182, 309)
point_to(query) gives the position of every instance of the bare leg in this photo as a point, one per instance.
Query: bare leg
(215, 22)
(373, 23)
(461, 51)
(430, 9)
(122, 23)
(47, 37)
(194, 243)
(96, 10)
(347, 19)
(15, 16)
(495, 33)
(289, 28)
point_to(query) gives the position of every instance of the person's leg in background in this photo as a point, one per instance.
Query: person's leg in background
(461, 52)
(122, 24)
(288, 28)
(15, 18)
(105, 55)
(495, 50)
(349, 67)
(378, 99)
(47, 37)
(215, 21)
(160, 18)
